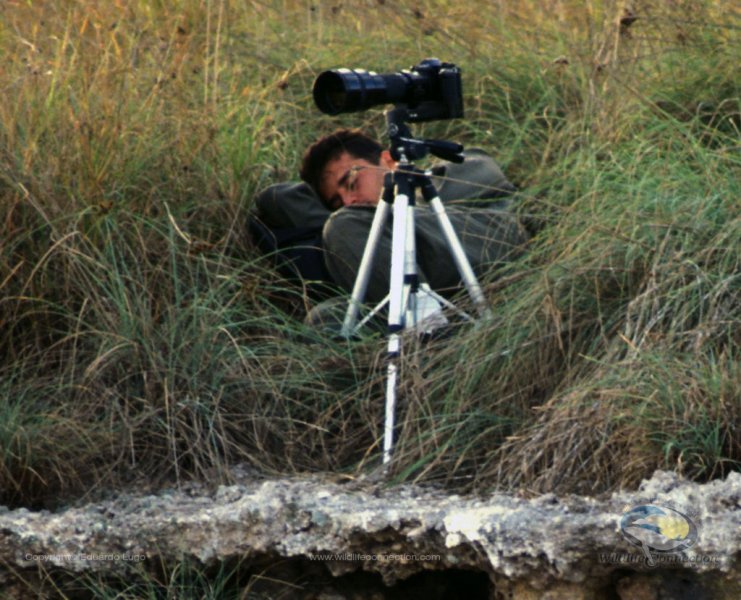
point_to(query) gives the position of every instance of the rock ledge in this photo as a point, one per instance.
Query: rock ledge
(525, 546)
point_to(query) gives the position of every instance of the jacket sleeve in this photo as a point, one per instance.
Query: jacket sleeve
(290, 204)
(478, 177)
(286, 223)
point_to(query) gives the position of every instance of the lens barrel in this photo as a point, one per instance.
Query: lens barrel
(352, 90)
(431, 88)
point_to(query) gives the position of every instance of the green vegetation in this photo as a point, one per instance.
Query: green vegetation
(143, 337)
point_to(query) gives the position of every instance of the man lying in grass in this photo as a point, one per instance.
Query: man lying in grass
(333, 209)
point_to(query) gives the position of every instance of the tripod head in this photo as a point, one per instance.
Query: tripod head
(404, 147)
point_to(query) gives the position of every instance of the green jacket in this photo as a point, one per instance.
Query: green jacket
(292, 204)
(475, 191)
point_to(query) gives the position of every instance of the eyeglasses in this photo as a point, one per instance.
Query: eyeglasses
(348, 181)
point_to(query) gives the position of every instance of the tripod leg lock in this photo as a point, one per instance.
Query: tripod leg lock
(395, 329)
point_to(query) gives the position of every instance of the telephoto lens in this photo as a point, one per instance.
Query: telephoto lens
(352, 90)
(431, 85)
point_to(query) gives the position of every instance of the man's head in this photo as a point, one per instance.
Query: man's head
(346, 167)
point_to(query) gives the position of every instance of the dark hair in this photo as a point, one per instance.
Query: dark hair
(353, 141)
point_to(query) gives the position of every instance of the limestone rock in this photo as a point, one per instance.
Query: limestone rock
(544, 547)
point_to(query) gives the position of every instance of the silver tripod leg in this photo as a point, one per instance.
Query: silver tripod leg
(403, 300)
(366, 264)
(460, 258)
(403, 266)
(403, 261)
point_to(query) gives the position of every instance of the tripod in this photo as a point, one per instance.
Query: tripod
(411, 303)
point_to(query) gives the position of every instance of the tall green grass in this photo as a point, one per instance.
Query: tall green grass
(144, 338)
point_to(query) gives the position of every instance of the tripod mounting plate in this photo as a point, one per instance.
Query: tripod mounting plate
(404, 147)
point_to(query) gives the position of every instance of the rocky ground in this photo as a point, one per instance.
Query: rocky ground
(315, 538)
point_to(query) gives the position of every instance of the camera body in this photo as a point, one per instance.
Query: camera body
(429, 91)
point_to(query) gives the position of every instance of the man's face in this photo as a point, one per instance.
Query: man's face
(347, 181)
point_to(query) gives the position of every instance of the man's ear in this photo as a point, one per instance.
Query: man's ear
(387, 161)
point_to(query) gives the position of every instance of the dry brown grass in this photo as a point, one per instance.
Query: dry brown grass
(143, 338)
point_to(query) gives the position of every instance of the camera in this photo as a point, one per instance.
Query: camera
(429, 91)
